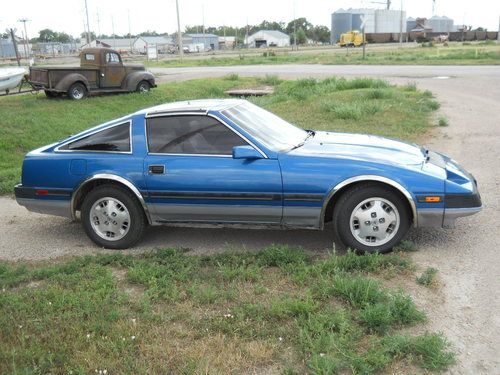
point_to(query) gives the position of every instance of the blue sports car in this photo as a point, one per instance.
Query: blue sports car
(229, 162)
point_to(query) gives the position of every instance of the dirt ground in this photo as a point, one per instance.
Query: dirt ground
(467, 304)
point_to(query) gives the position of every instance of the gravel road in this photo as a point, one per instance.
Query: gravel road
(466, 307)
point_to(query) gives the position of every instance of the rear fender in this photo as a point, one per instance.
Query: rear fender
(64, 84)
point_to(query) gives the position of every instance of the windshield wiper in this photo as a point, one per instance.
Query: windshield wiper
(310, 133)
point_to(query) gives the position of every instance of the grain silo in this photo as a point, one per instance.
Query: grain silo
(411, 23)
(389, 21)
(341, 23)
(440, 24)
(376, 21)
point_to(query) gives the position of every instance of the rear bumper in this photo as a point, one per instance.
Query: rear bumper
(56, 202)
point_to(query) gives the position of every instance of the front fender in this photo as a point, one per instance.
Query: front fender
(131, 81)
(64, 84)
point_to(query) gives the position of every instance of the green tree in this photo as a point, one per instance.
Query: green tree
(299, 23)
(320, 34)
(92, 36)
(46, 35)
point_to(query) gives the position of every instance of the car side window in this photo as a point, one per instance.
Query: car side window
(115, 139)
(191, 134)
(112, 57)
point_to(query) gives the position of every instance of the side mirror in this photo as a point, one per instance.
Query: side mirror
(246, 152)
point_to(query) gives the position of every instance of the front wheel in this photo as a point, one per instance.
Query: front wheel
(112, 217)
(371, 218)
(143, 86)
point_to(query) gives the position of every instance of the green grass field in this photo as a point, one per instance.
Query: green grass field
(280, 310)
(360, 105)
(455, 54)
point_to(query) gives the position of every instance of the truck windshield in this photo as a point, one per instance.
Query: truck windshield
(270, 130)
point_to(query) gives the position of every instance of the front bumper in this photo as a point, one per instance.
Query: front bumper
(54, 202)
(456, 205)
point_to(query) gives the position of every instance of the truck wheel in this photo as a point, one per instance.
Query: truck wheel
(143, 86)
(112, 217)
(77, 91)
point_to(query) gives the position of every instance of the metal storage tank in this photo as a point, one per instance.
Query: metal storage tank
(389, 21)
(411, 23)
(356, 21)
(441, 24)
(341, 23)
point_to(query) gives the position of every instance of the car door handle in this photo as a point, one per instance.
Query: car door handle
(156, 169)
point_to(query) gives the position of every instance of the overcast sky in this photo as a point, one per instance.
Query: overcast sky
(159, 15)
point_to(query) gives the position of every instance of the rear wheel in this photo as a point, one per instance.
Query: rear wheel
(370, 218)
(77, 91)
(143, 86)
(112, 217)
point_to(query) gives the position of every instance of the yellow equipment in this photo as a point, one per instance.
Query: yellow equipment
(352, 38)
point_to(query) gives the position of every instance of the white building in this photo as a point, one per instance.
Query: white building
(161, 43)
(227, 42)
(119, 44)
(269, 38)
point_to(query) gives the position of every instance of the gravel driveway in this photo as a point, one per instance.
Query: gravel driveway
(467, 306)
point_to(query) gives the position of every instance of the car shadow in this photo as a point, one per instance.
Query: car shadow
(210, 240)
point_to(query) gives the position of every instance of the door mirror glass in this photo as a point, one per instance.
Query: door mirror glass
(246, 152)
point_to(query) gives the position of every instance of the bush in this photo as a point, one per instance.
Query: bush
(428, 277)
(443, 121)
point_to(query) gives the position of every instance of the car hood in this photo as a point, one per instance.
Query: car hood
(364, 147)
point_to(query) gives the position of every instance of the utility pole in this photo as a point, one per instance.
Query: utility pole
(179, 34)
(246, 35)
(113, 29)
(203, 26)
(16, 51)
(294, 28)
(401, 26)
(498, 35)
(88, 25)
(26, 46)
(98, 24)
(129, 32)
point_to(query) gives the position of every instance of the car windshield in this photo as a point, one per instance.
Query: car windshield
(272, 131)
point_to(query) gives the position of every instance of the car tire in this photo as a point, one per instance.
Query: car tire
(112, 217)
(77, 91)
(370, 218)
(143, 86)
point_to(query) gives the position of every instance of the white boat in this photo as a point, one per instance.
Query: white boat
(10, 78)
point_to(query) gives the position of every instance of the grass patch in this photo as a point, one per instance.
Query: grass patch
(432, 54)
(231, 313)
(443, 121)
(428, 277)
(358, 105)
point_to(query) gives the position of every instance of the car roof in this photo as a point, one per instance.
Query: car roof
(200, 105)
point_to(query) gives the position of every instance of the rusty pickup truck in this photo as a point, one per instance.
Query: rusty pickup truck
(101, 71)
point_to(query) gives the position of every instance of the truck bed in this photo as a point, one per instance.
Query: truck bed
(49, 77)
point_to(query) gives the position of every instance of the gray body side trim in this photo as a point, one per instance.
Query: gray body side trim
(107, 176)
(217, 213)
(360, 178)
(47, 206)
(452, 214)
(430, 217)
(301, 217)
